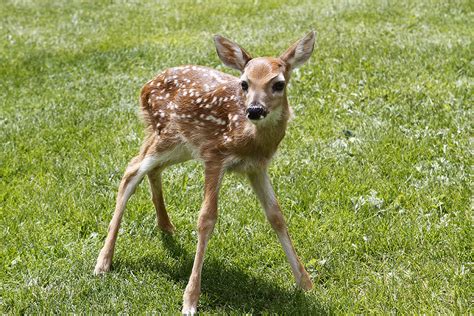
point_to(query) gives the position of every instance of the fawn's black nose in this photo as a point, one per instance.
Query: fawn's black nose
(256, 111)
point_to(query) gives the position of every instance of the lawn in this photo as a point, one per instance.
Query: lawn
(374, 176)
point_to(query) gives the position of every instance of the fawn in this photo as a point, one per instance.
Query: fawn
(229, 123)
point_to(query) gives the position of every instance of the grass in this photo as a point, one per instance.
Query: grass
(374, 176)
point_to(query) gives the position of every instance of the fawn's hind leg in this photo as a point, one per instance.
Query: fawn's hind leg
(163, 221)
(136, 170)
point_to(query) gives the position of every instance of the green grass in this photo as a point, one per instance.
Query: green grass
(374, 176)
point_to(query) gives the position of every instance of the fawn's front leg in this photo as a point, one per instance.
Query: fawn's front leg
(264, 190)
(206, 222)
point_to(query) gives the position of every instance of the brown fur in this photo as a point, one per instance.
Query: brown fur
(198, 112)
(230, 133)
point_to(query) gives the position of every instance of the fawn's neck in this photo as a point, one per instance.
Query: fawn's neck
(265, 136)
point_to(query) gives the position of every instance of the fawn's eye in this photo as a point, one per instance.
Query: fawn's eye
(245, 85)
(279, 86)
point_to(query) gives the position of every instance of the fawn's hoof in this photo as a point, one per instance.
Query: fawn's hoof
(188, 311)
(190, 300)
(167, 228)
(305, 282)
(102, 266)
(189, 308)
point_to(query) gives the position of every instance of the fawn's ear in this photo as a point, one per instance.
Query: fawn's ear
(231, 54)
(299, 52)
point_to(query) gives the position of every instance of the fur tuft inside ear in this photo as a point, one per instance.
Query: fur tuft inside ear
(299, 52)
(231, 54)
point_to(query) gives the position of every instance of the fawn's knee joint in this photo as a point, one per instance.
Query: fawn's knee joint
(277, 221)
(206, 224)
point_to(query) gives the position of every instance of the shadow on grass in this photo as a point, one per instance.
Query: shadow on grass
(227, 287)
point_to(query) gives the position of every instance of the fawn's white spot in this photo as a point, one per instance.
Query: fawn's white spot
(215, 119)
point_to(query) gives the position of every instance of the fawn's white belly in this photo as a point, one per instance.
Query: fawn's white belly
(244, 164)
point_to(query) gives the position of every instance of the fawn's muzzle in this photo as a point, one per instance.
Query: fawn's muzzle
(256, 111)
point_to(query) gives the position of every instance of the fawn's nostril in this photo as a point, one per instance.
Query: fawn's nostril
(256, 112)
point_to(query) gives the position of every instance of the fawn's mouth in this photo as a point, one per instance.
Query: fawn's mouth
(256, 113)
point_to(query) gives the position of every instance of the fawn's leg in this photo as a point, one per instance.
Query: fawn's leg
(206, 222)
(136, 170)
(263, 188)
(163, 221)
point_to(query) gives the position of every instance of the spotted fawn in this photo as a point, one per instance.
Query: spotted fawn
(228, 123)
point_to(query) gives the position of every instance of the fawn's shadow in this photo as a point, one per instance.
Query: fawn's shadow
(228, 287)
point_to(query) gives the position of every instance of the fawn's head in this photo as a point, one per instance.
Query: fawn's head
(264, 79)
